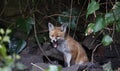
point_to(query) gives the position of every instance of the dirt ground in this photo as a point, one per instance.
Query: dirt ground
(34, 55)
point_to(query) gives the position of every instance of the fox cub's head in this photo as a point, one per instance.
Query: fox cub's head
(57, 34)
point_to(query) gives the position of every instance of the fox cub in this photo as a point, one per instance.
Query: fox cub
(73, 52)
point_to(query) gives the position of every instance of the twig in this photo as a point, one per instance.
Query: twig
(111, 2)
(36, 37)
(26, 5)
(36, 10)
(94, 51)
(113, 33)
(117, 51)
(61, 15)
(70, 17)
(43, 31)
(96, 37)
(63, 5)
(3, 20)
(37, 66)
(114, 27)
(20, 8)
(106, 6)
(79, 17)
(3, 8)
(113, 30)
(94, 14)
(109, 29)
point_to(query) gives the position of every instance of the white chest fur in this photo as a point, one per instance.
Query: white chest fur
(63, 47)
(66, 51)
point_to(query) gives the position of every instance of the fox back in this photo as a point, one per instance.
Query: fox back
(73, 52)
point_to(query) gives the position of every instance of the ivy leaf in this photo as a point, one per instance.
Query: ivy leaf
(109, 18)
(20, 66)
(25, 24)
(3, 51)
(116, 11)
(53, 68)
(66, 17)
(2, 31)
(63, 19)
(107, 40)
(107, 67)
(99, 24)
(5, 68)
(0, 38)
(92, 7)
(16, 45)
(8, 31)
(43, 37)
(89, 29)
(118, 26)
(6, 38)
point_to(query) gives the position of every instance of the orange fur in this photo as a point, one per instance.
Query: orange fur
(77, 51)
(71, 48)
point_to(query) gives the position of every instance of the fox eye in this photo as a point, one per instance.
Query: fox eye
(58, 36)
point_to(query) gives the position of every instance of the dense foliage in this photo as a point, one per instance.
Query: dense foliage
(30, 17)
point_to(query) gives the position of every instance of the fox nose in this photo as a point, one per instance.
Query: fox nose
(54, 40)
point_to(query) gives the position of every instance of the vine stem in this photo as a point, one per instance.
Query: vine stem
(37, 66)
(20, 9)
(79, 17)
(5, 4)
(36, 37)
(70, 17)
(92, 58)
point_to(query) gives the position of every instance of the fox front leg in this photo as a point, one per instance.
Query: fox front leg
(67, 58)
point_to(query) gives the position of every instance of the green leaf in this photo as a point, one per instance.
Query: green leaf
(66, 17)
(109, 18)
(107, 40)
(107, 67)
(99, 24)
(25, 24)
(0, 38)
(8, 31)
(116, 11)
(9, 61)
(3, 51)
(2, 31)
(20, 66)
(43, 37)
(6, 38)
(16, 45)
(6, 68)
(30, 20)
(89, 29)
(92, 7)
(118, 26)
(116, 14)
(17, 56)
(54, 68)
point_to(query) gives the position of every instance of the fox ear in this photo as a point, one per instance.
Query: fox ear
(64, 27)
(50, 26)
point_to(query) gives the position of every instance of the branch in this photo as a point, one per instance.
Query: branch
(36, 37)
(94, 51)
(37, 66)
(79, 17)
(5, 4)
